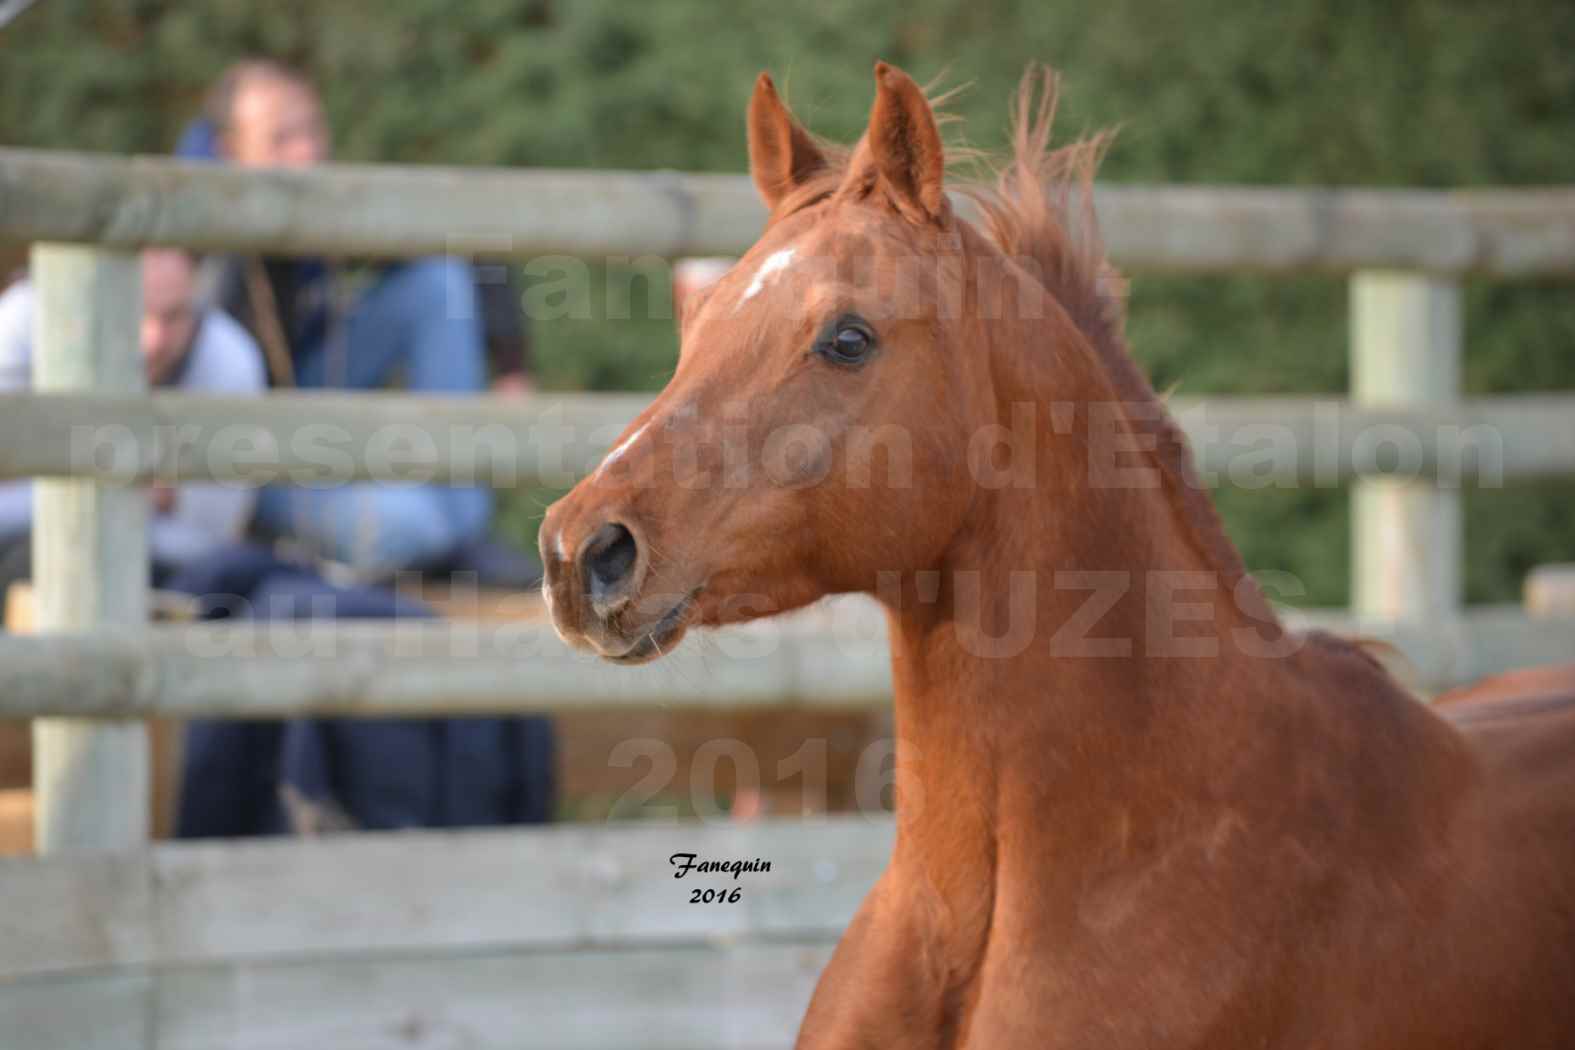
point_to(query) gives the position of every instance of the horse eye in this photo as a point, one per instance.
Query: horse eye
(850, 342)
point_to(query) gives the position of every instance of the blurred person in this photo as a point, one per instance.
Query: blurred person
(265, 115)
(417, 321)
(183, 347)
(504, 332)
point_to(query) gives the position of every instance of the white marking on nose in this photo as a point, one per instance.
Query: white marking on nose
(617, 453)
(775, 263)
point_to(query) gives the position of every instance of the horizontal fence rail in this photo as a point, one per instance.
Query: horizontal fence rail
(560, 888)
(569, 937)
(747, 995)
(320, 437)
(283, 668)
(311, 436)
(348, 210)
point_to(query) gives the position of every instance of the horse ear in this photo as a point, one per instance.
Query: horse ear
(903, 146)
(782, 156)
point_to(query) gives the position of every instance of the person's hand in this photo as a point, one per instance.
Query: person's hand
(513, 384)
(163, 498)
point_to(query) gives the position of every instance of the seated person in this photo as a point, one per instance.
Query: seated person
(182, 348)
(418, 321)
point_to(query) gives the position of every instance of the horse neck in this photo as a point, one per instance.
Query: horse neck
(1080, 681)
(1063, 624)
(1081, 658)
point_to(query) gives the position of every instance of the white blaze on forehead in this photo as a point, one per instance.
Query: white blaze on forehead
(775, 263)
(617, 453)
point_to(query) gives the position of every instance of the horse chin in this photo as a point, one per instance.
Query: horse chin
(656, 639)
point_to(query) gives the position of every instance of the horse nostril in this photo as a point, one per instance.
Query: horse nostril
(608, 561)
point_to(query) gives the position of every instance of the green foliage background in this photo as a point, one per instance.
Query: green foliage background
(1408, 93)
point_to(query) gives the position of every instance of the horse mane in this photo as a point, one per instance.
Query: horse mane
(1040, 209)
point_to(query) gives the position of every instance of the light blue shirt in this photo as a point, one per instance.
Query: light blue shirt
(223, 359)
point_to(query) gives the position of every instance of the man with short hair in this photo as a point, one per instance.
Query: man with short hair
(183, 347)
(417, 321)
(266, 115)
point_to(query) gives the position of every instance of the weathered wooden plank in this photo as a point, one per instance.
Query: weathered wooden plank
(741, 997)
(312, 437)
(283, 668)
(1286, 442)
(90, 551)
(562, 887)
(108, 1012)
(543, 889)
(77, 911)
(745, 996)
(388, 210)
(358, 210)
(1221, 229)
(318, 437)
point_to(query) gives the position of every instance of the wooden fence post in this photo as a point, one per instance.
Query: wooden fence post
(90, 552)
(1406, 539)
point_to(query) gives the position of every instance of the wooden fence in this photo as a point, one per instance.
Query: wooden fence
(572, 937)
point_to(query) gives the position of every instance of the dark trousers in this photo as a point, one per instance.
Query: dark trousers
(380, 773)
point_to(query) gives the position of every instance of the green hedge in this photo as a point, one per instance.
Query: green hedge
(1422, 93)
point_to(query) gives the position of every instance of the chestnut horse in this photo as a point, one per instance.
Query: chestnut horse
(1132, 808)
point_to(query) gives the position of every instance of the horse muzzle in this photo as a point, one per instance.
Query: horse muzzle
(594, 587)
